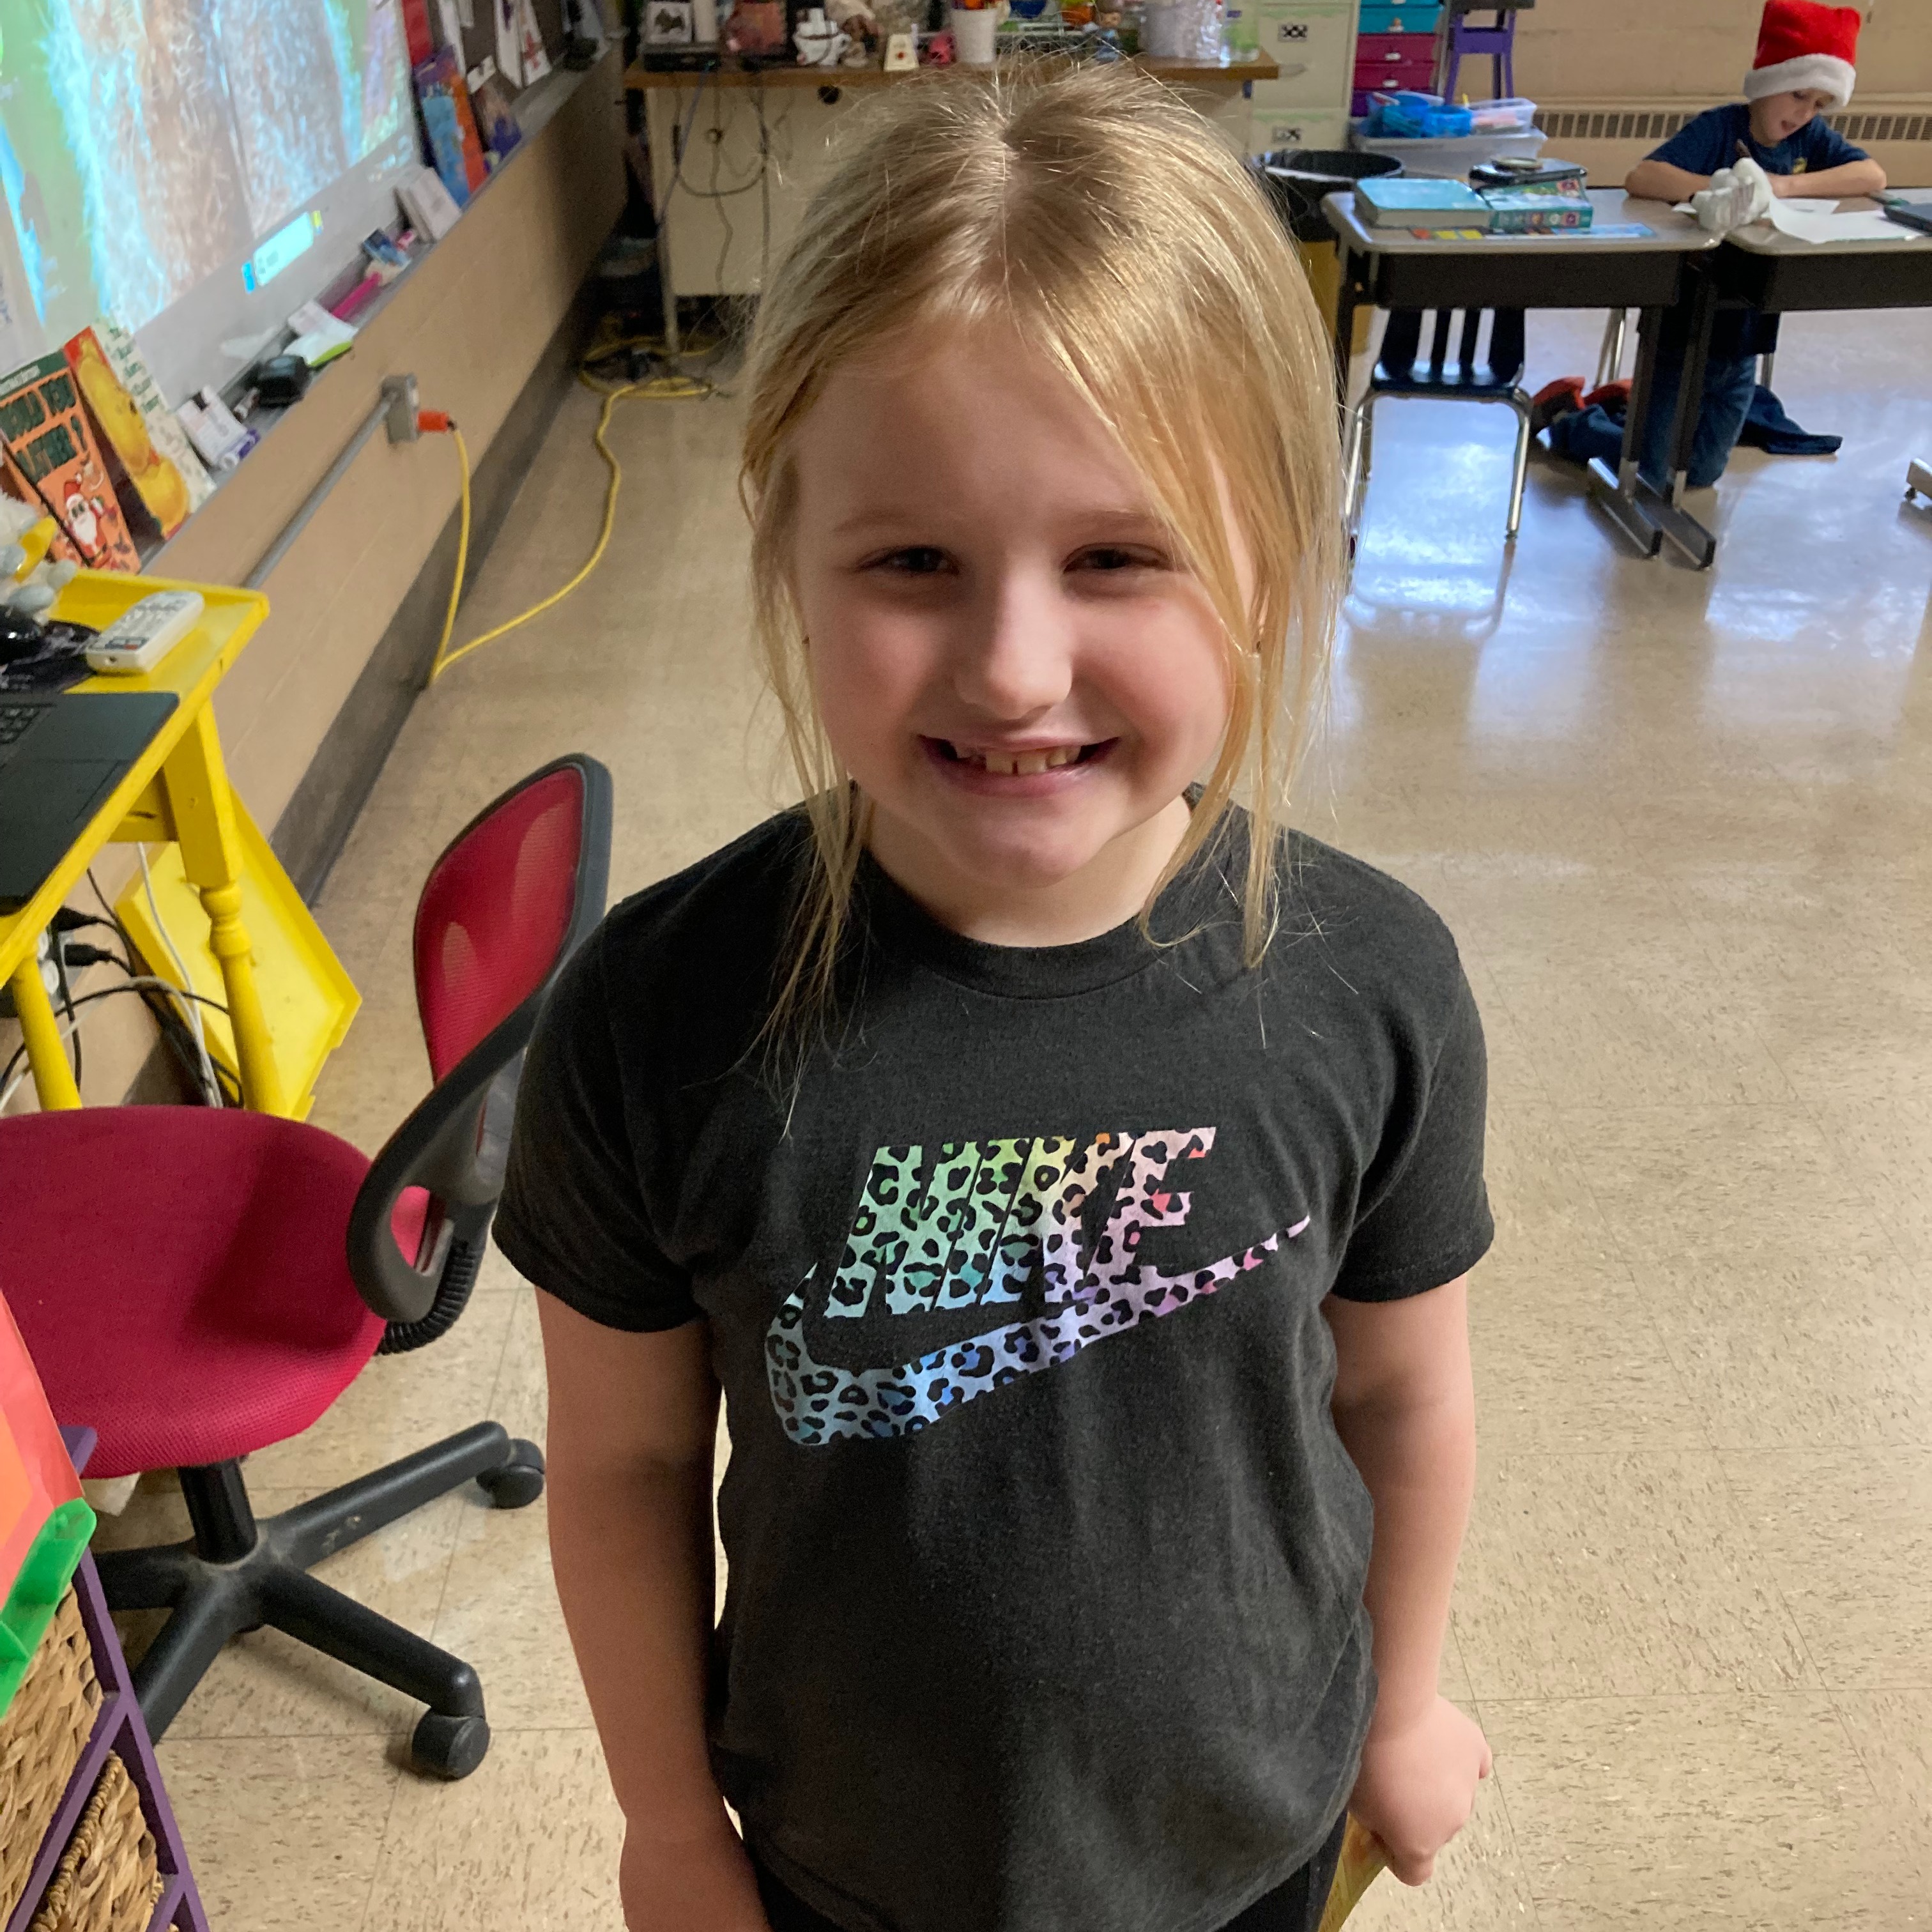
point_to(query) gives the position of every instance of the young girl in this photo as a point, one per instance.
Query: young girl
(1068, 1178)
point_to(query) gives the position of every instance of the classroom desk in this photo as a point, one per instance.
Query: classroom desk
(177, 792)
(1762, 268)
(735, 154)
(1396, 269)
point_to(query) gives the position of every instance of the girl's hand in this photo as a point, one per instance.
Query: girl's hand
(1417, 1785)
(704, 1884)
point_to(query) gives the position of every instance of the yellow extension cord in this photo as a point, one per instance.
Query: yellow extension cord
(662, 389)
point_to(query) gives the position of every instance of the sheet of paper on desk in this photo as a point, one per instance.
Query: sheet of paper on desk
(1800, 219)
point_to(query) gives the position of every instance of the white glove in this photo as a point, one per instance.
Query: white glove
(1735, 195)
(1750, 174)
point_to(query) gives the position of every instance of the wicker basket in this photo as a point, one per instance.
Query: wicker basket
(109, 1879)
(45, 1730)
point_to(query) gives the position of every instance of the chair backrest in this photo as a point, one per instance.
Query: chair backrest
(512, 897)
(1458, 361)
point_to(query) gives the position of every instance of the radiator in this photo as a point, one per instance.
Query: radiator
(1658, 121)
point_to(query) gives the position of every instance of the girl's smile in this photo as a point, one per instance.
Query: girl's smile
(1019, 672)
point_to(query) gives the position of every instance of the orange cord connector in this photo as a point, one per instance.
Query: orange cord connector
(433, 422)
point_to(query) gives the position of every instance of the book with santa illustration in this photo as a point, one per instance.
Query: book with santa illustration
(49, 458)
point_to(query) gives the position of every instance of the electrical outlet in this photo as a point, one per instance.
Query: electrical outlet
(403, 402)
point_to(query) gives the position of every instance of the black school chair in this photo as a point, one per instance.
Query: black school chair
(1476, 372)
(197, 1283)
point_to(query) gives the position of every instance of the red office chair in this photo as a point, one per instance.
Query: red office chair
(197, 1283)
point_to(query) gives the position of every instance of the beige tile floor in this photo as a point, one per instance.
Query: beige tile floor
(1680, 824)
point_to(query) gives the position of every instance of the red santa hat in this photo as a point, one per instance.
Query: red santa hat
(1801, 45)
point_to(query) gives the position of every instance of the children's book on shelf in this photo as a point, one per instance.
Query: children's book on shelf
(427, 203)
(496, 119)
(529, 43)
(1419, 202)
(52, 459)
(158, 476)
(450, 126)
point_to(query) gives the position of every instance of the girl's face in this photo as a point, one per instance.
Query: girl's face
(1005, 652)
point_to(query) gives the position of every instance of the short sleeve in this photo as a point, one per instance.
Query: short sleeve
(1824, 147)
(1424, 1217)
(573, 1218)
(1698, 146)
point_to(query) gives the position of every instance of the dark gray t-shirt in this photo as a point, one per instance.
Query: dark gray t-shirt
(1046, 1563)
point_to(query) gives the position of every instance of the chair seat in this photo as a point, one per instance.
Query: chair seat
(1473, 385)
(182, 1283)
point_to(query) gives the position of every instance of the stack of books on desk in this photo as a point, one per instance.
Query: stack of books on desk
(1540, 208)
(1423, 205)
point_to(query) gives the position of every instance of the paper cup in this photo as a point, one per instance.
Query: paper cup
(975, 32)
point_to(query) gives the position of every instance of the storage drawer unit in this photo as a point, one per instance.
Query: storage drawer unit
(1395, 51)
(1284, 125)
(1310, 45)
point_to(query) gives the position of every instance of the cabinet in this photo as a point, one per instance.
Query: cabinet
(1313, 45)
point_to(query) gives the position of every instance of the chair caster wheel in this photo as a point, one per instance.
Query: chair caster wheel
(517, 1483)
(450, 1747)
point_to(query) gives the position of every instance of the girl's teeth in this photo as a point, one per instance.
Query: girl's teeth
(1020, 764)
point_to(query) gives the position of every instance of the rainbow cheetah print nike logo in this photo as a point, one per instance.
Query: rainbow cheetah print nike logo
(969, 1231)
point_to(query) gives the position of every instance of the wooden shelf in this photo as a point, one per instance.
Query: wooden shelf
(640, 79)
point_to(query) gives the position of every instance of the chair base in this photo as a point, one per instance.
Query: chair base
(236, 1575)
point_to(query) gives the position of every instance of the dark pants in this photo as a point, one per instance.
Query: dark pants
(1729, 383)
(1294, 1906)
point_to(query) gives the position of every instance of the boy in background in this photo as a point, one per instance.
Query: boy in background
(1730, 163)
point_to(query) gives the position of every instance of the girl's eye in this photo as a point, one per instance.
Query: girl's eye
(915, 560)
(1113, 557)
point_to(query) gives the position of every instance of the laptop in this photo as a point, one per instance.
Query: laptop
(61, 753)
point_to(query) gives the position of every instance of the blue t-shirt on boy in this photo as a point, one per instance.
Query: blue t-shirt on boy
(1704, 145)
(1709, 142)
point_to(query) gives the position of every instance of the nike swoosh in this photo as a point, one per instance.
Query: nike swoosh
(820, 1404)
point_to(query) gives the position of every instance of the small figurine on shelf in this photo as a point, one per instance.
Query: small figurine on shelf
(861, 26)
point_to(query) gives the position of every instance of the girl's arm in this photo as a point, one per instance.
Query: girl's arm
(1661, 181)
(633, 1419)
(1864, 177)
(1405, 1407)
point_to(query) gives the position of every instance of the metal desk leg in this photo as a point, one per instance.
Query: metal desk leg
(53, 1078)
(204, 816)
(1617, 493)
(1345, 321)
(667, 293)
(1666, 509)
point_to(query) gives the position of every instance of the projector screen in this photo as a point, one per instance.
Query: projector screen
(195, 169)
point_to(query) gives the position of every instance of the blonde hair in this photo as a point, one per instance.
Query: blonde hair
(1095, 211)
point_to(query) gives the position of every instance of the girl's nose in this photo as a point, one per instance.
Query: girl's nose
(1014, 657)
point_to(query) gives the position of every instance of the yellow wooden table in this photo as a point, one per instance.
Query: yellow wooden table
(177, 792)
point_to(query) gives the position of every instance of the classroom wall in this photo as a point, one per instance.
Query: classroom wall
(471, 321)
(1696, 50)
(1693, 53)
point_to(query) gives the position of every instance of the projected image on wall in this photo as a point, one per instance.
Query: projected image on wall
(145, 144)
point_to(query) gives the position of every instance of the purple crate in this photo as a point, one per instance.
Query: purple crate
(120, 1728)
